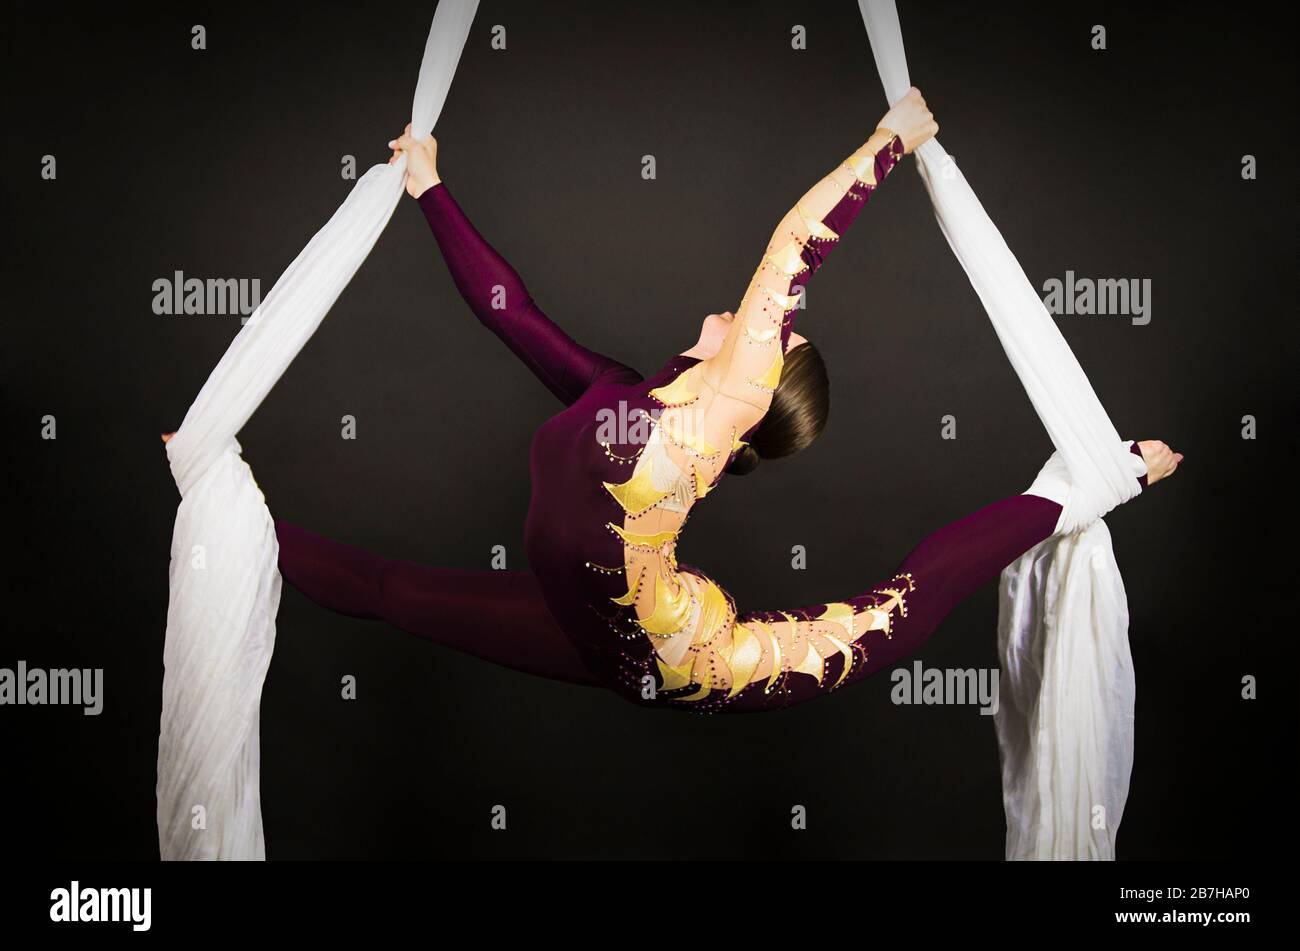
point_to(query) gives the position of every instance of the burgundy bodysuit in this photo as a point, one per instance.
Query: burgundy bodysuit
(605, 602)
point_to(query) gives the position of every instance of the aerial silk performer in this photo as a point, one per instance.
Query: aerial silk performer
(605, 601)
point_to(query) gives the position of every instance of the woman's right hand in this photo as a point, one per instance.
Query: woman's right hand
(421, 161)
(911, 120)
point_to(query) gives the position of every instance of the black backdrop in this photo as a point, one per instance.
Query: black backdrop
(1121, 163)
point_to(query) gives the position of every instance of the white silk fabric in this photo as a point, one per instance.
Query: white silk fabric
(1065, 723)
(224, 580)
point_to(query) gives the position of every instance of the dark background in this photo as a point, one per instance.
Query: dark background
(222, 163)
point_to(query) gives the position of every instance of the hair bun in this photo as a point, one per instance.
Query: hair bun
(746, 461)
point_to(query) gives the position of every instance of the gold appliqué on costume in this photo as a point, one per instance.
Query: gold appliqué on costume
(674, 678)
(815, 226)
(812, 663)
(695, 442)
(632, 591)
(671, 611)
(879, 620)
(841, 614)
(882, 614)
(787, 302)
(769, 380)
(676, 393)
(702, 487)
(706, 687)
(863, 167)
(789, 260)
(650, 542)
(776, 656)
(760, 336)
(743, 657)
(714, 611)
(638, 493)
(846, 651)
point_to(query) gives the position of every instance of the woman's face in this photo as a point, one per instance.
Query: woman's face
(713, 332)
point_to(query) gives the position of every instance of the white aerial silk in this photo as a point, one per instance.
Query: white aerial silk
(1065, 726)
(225, 584)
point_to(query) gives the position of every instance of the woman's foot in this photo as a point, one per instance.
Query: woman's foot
(1160, 459)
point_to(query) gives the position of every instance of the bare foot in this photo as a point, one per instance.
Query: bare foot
(1160, 459)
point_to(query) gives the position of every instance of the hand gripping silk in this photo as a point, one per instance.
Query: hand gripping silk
(225, 585)
(1065, 727)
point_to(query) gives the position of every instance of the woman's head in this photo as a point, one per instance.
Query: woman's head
(800, 405)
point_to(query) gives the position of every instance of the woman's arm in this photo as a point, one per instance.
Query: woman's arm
(747, 368)
(493, 289)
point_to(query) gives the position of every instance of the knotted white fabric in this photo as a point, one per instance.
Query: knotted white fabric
(225, 584)
(1065, 723)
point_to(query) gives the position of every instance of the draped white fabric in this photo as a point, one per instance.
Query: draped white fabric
(225, 584)
(1065, 727)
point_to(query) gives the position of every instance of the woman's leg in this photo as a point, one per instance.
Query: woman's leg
(953, 563)
(894, 618)
(496, 615)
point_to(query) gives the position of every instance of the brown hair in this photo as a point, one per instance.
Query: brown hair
(800, 405)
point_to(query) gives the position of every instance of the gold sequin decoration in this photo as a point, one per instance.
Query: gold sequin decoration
(776, 656)
(714, 611)
(638, 493)
(702, 487)
(769, 380)
(744, 656)
(676, 393)
(882, 614)
(632, 591)
(816, 227)
(652, 542)
(863, 166)
(789, 260)
(615, 457)
(812, 663)
(706, 686)
(841, 614)
(695, 442)
(787, 302)
(674, 678)
(671, 611)
(845, 650)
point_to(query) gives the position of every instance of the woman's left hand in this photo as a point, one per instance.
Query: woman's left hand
(421, 161)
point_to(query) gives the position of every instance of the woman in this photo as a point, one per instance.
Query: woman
(606, 602)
